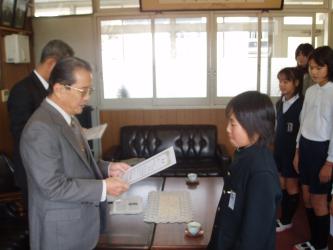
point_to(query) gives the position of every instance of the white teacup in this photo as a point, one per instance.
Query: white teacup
(192, 177)
(193, 227)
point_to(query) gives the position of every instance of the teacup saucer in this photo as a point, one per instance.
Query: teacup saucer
(199, 234)
(188, 182)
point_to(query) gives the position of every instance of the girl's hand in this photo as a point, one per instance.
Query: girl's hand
(296, 161)
(325, 173)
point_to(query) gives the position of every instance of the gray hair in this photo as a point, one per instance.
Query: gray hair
(56, 49)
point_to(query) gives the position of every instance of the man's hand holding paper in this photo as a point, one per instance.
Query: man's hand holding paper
(117, 169)
(116, 186)
(123, 175)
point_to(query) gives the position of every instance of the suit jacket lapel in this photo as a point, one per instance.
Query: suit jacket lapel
(37, 89)
(91, 159)
(68, 133)
(39, 85)
(93, 164)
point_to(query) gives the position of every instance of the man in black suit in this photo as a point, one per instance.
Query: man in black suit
(26, 96)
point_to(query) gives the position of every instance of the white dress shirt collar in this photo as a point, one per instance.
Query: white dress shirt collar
(43, 81)
(66, 116)
(287, 103)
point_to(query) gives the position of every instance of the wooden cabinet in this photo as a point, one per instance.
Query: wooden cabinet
(10, 74)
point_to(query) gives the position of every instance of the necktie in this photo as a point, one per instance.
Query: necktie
(78, 135)
(83, 145)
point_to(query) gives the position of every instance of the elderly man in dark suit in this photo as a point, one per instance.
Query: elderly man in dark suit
(25, 98)
(67, 187)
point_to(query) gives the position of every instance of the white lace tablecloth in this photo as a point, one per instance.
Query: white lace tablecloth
(169, 207)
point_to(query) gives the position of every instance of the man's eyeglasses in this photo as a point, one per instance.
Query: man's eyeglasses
(84, 92)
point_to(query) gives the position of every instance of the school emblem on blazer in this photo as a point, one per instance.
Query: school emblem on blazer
(290, 127)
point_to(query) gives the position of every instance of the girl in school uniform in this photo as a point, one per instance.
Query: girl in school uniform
(246, 214)
(288, 110)
(314, 154)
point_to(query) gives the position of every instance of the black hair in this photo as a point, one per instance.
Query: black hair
(255, 113)
(56, 49)
(293, 74)
(305, 49)
(324, 56)
(63, 71)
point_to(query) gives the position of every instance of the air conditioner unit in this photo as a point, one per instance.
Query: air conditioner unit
(17, 48)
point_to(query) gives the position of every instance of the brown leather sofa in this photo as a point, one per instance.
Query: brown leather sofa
(195, 146)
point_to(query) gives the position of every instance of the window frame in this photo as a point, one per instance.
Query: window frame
(211, 101)
(154, 101)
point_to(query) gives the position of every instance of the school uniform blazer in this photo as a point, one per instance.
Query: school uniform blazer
(25, 97)
(246, 214)
(64, 184)
(287, 126)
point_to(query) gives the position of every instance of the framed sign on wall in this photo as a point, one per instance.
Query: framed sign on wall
(183, 5)
(7, 12)
(20, 13)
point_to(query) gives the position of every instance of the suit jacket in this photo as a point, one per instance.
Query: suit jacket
(246, 214)
(25, 97)
(64, 184)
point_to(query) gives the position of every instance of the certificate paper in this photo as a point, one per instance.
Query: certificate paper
(150, 166)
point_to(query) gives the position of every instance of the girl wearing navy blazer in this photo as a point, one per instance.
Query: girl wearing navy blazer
(288, 110)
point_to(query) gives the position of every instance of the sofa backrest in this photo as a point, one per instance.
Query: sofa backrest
(189, 141)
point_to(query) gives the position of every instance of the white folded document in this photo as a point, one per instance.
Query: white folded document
(129, 205)
(94, 132)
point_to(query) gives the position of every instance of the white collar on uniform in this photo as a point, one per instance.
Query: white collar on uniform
(43, 81)
(287, 103)
(66, 116)
(325, 86)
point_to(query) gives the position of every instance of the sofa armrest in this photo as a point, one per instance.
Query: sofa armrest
(224, 157)
(113, 154)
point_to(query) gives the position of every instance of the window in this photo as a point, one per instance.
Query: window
(181, 57)
(284, 35)
(236, 61)
(193, 60)
(127, 58)
(118, 4)
(304, 2)
(62, 7)
(178, 48)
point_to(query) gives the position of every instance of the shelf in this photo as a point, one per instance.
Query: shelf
(16, 30)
